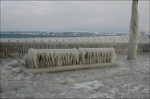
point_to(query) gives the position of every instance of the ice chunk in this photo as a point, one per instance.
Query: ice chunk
(16, 69)
(7, 67)
(70, 81)
(13, 63)
(89, 85)
(18, 77)
(6, 72)
(39, 95)
(34, 84)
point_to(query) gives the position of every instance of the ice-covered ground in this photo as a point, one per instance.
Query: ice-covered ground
(124, 81)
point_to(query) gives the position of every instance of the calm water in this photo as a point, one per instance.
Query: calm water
(30, 36)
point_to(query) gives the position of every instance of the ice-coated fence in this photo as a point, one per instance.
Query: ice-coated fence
(19, 49)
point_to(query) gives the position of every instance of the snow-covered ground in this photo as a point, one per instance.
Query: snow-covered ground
(125, 81)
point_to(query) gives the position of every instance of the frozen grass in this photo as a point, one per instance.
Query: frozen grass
(125, 81)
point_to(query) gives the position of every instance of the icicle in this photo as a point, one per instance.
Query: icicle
(46, 57)
(50, 59)
(81, 55)
(105, 56)
(32, 56)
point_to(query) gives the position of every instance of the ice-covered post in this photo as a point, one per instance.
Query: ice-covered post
(132, 46)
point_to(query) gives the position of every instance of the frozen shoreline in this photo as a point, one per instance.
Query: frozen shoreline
(124, 81)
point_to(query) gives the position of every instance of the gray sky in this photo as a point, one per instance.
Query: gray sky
(93, 16)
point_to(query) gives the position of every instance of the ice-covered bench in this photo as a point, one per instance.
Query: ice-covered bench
(51, 60)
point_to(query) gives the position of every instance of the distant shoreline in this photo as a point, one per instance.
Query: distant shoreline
(52, 34)
(31, 36)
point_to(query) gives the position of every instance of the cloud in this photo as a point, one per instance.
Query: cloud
(111, 16)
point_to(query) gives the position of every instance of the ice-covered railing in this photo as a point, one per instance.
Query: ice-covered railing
(19, 49)
(13, 47)
(51, 60)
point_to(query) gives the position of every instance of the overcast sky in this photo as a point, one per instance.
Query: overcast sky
(92, 16)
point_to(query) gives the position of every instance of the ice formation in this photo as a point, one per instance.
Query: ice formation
(132, 47)
(96, 55)
(120, 43)
(39, 58)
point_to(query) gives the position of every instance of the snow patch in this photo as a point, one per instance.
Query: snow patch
(89, 85)
(135, 89)
(101, 95)
(17, 69)
(13, 63)
(34, 84)
(64, 93)
(18, 77)
(70, 81)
